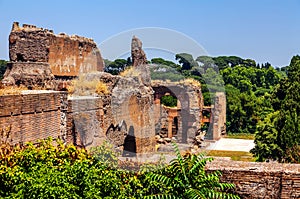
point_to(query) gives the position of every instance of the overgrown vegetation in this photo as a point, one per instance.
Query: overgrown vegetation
(130, 72)
(64, 171)
(12, 90)
(169, 100)
(84, 86)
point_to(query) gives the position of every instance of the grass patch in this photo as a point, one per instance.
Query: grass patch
(130, 72)
(246, 136)
(12, 90)
(82, 86)
(234, 155)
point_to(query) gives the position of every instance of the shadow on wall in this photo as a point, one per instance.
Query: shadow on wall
(130, 144)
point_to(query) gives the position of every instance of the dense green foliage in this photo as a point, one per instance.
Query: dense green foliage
(278, 135)
(47, 171)
(169, 100)
(248, 93)
(2, 68)
(64, 171)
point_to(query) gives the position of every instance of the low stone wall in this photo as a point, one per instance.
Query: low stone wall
(32, 115)
(260, 180)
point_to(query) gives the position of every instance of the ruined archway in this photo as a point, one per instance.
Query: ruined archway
(188, 112)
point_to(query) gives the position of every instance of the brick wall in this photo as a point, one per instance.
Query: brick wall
(260, 180)
(66, 55)
(32, 115)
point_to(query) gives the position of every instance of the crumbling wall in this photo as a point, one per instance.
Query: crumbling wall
(33, 115)
(34, 49)
(137, 53)
(260, 180)
(31, 74)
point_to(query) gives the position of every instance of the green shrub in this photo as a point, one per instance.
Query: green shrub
(56, 170)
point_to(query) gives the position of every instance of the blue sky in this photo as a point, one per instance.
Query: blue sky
(264, 30)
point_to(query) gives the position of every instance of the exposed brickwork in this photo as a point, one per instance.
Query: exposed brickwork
(260, 180)
(32, 115)
(41, 54)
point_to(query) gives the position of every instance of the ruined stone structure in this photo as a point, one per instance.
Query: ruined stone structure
(260, 180)
(189, 108)
(38, 55)
(137, 53)
(124, 117)
(188, 117)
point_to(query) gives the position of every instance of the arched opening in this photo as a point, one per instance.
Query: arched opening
(168, 112)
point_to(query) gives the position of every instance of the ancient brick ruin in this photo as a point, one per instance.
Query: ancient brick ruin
(217, 117)
(33, 115)
(137, 53)
(132, 111)
(38, 57)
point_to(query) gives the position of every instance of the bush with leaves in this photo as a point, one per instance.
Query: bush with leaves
(57, 171)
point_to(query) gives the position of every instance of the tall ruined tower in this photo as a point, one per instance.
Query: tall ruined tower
(137, 53)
